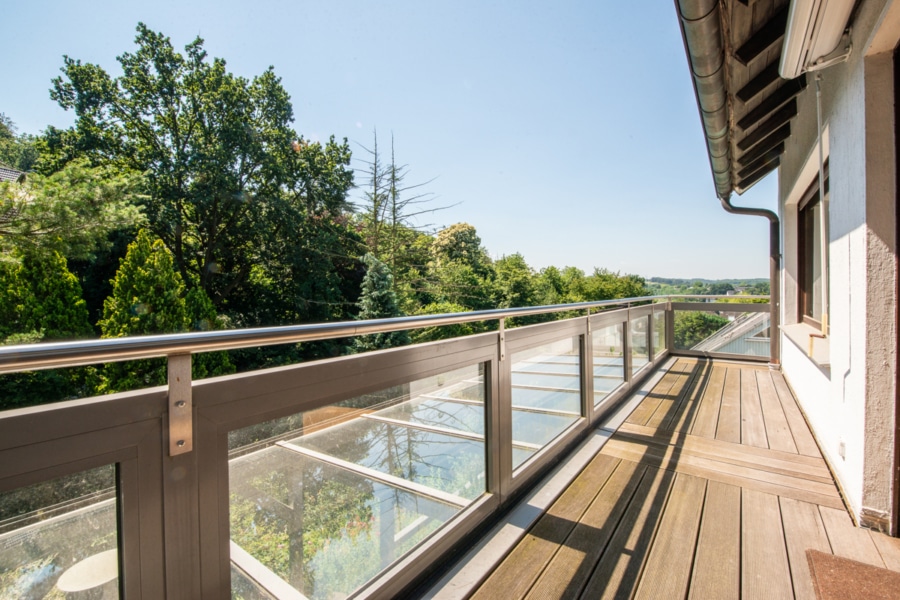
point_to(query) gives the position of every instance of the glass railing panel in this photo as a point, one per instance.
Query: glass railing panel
(546, 395)
(433, 459)
(609, 362)
(727, 330)
(562, 381)
(322, 529)
(59, 539)
(326, 499)
(639, 351)
(659, 332)
(439, 413)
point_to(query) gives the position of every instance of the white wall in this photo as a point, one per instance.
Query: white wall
(853, 403)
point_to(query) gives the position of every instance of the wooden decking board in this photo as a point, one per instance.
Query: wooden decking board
(765, 572)
(889, 549)
(681, 374)
(803, 530)
(620, 444)
(847, 540)
(682, 418)
(619, 568)
(680, 502)
(762, 458)
(729, 427)
(645, 409)
(803, 438)
(717, 561)
(573, 563)
(668, 567)
(753, 427)
(708, 413)
(684, 465)
(670, 404)
(778, 433)
(514, 577)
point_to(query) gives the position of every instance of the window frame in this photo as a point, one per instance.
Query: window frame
(807, 226)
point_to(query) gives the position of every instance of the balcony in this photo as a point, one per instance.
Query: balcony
(358, 476)
(708, 485)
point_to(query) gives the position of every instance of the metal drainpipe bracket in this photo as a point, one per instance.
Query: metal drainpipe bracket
(181, 407)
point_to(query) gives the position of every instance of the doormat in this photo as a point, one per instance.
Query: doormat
(837, 578)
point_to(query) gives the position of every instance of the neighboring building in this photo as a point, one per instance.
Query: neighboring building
(837, 269)
(9, 174)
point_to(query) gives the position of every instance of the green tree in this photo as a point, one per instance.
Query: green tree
(40, 300)
(16, 150)
(460, 243)
(458, 283)
(514, 282)
(201, 316)
(57, 308)
(146, 299)
(225, 161)
(71, 211)
(378, 301)
(693, 327)
(550, 286)
(443, 332)
(606, 285)
(147, 292)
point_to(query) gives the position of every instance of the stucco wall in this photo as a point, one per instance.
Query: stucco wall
(853, 404)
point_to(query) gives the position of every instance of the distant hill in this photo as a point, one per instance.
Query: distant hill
(707, 287)
(689, 282)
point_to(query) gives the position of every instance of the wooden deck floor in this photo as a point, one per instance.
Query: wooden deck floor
(712, 488)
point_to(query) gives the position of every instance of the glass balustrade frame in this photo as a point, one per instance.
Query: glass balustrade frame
(174, 531)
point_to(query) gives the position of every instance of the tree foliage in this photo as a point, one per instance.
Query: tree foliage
(460, 243)
(71, 211)
(148, 297)
(40, 300)
(692, 327)
(16, 150)
(378, 301)
(225, 161)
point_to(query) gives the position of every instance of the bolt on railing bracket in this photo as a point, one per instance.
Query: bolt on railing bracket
(181, 408)
(502, 332)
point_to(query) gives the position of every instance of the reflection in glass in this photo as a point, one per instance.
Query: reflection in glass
(326, 499)
(659, 331)
(61, 537)
(609, 363)
(546, 395)
(726, 332)
(640, 355)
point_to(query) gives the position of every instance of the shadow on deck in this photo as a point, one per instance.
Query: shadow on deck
(712, 487)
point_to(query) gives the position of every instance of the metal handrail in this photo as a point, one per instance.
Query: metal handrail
(29, 357)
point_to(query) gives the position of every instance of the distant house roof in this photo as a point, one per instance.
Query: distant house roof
(8, 174)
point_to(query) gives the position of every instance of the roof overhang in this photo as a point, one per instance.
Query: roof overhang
(734, 50)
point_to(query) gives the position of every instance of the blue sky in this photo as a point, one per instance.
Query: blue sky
(566, 131)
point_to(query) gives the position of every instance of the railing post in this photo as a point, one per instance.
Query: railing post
(670, 327)
(587, 369)
(181, 407)
(626, 345)
(501, 445)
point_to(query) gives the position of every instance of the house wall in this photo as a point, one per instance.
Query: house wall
(851, 405)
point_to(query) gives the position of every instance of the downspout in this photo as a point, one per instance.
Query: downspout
(701, 28)
(774, 279)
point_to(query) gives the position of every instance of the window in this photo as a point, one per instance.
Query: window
(811, 254)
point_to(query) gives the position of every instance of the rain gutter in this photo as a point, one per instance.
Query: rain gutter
(701, 28)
